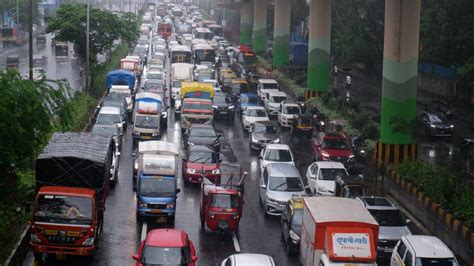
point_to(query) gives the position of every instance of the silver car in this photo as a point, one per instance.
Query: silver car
(393, 225)
(279, 183)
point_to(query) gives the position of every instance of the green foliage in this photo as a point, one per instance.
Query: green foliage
(444, 185)
(106, 28)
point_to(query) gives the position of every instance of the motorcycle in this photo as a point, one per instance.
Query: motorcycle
(319, 118)
(301, 101)
(359, 147)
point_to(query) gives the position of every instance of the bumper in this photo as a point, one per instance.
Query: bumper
(286, 122)
(63, 250)
(197, 178)
(145, 137)
(438, 132)
(146, 212)
(257, 146)
(274, 208)
(224, 113)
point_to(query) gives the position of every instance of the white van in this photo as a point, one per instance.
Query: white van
(422, 250)
(265, 86)
(180, 72)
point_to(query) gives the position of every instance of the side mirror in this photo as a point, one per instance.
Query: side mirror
(134, 155)
(194, 258)
(263, 187)
(135, 257)
(178, 190)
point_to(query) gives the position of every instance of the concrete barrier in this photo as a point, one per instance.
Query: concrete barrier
(437, 220)
(20, 250)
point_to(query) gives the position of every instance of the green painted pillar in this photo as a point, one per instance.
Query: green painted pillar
(246, 21)
(399, 84)
(281, 41)
(260, 26)
(319, 65)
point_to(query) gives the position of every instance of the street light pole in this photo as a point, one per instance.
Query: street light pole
(30, 38)
(87, 45)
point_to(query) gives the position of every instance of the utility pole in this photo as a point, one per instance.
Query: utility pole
(30, 38)
(87, 46)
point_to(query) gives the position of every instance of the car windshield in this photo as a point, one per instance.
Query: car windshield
(156, 187)
(388, 217)
(436, 262)
(292, 110)
(352, 191)
(264, 129)
(202, 157)
(331, 174)
(202, 132)
(109, 119)
(250, 100)
(279, 156)
(256, 113)
(176, 83)
(285, 184)
(224, 201)
(221, 99)
(197, 106)
(277, 99)
(436, 118)
(118, 104)
(337, 144)
(153, 86)
(297, 221)
(165, 256)
(155, 75)
(108, 131)
(64, 209)
(269, 86)
(144, 121)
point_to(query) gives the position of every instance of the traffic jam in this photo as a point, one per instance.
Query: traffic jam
(185, 94)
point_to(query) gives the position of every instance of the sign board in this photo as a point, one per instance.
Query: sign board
(148, 107)
(156, 164)
(350, 245)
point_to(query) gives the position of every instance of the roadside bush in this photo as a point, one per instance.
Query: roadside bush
(443, 185)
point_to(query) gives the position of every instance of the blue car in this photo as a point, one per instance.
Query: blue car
(246, 100)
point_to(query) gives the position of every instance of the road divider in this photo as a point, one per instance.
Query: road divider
(144, 231)
(236, 242)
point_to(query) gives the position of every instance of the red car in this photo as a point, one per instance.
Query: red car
(166, 247)
(333, 147)
(201, 160)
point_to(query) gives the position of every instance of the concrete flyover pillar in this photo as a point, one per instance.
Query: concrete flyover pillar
(399, 84)
(260, 26)
(281, 41)
(246, 22)
(319, 65)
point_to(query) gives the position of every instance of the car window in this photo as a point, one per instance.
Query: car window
(285, 184)
(401, 250)
(331, 174)
(228, 262)
(279, 156)
(265, 176)
(388, 217)
(314, 169)
(408, 260)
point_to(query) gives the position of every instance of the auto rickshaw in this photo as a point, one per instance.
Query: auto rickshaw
(224, 71)
(302, 127)
(252, 80)
(13, 62)
(237, 87)
(350, 186)
(222, 204)
(41, 41)
(226, 81)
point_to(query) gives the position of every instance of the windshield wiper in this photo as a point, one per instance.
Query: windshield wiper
(280, 185)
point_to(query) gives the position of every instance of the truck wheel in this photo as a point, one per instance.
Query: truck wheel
(289, 250)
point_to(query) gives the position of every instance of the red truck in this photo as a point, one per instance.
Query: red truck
(72, 181)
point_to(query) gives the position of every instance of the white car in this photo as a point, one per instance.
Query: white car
(275, 153)
(321, 177)
(214, 84)
(252, 115)
(264, 86)
(273, 100)
(245, 259)
(287, 113)
(110, 116)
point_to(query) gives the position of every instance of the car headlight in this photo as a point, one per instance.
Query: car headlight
(451, 126)
(142, 204)
(89, 241)
(216, 171)
(351, 156)
(277, 140)
(156, 134)
(432, 126)
(294, 236)
(325, 154)
(191, 171)
(171, 205)
(271, 200)
(231, 107)
(254, 140)
(135, 166)
(35, 238)
(214, 106)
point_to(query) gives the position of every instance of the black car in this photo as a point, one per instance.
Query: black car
(202, 135)
(262, 133)
(436, 124)
(223, 106)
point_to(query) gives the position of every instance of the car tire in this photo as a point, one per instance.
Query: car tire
(289, 250)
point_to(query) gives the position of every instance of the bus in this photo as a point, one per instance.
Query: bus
(181, 54)
(165, 30)
(203, 33)
(204, 54)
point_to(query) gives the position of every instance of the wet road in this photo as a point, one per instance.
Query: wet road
(68, 70)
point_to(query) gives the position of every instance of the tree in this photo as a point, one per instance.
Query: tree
(105, 29)
(30, 111)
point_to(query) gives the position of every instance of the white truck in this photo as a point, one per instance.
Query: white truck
(180, 72)
(337, 232)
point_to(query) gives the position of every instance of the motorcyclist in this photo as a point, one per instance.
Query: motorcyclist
(348, 81)
(302, 103)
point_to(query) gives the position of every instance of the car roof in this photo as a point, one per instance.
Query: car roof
(278, 147)
(109, 110)
(282, 170)
(330, 164)
(276, 93)
(290, 104)
(200, 148)
(166, 238)
(378, 203)
(201, 126)
(255, 108)
(267, 81)
(333, 135)
(252, 259)
(428, 246)
(264, 123)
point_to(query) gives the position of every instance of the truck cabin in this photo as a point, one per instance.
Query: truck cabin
(165, 30)
(216, 30)
(62, 50)
(350, 187)
(41, 40)
(157, 177)
(13, 62)
(204, 53)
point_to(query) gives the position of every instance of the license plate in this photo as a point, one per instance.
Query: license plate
(146, 137)
(50, 232)
(224, 112)
(155, 211)
(161, 219)
(72, 233)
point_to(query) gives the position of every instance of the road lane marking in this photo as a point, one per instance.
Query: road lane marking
(144, 229)
(236, 242)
